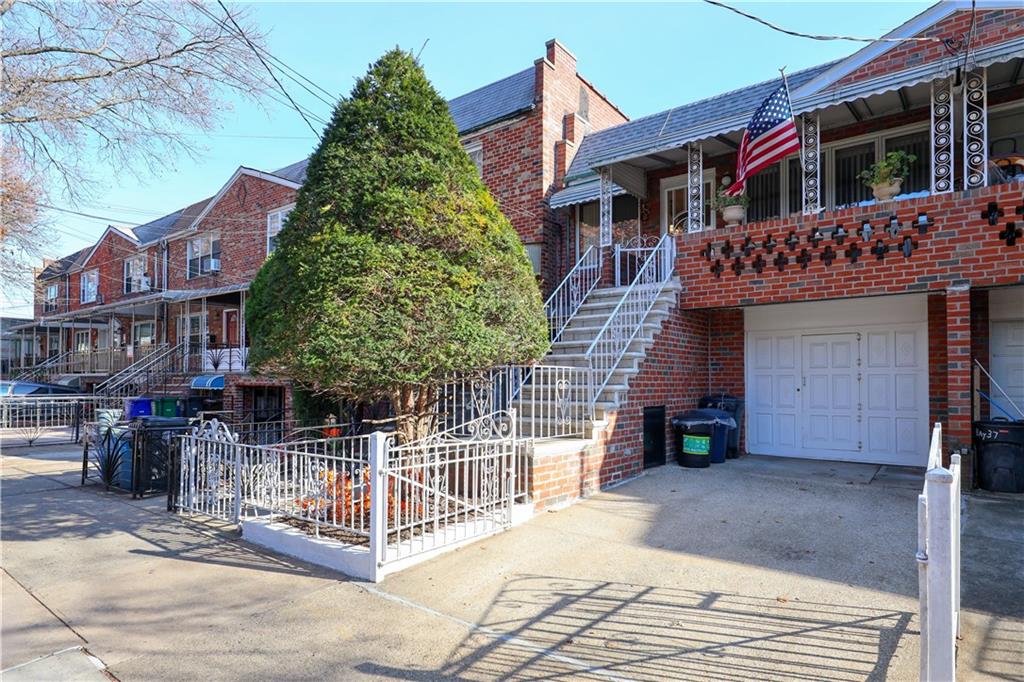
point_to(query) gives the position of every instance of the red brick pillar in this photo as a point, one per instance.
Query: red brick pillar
(958, 373)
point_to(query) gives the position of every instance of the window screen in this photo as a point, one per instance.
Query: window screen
(917, 144)
(764, 190)
(849, 162)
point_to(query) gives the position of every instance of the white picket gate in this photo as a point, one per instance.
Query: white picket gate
(938, 561)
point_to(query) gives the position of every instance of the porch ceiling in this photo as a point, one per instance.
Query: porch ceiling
(144, 305)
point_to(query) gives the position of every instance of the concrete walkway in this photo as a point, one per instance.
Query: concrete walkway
(758, 569)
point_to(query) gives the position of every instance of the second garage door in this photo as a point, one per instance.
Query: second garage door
(856, 391)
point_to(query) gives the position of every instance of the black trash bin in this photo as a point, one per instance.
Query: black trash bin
(999, 445)
(734, 406)
(700, 437)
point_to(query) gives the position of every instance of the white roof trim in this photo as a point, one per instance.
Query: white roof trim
(913, 27)
(242, 170)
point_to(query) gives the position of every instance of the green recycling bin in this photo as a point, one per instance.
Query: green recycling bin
(166, 407)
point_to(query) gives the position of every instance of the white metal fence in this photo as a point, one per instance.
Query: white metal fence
(400, 500)
(938, 561)
(36, 419)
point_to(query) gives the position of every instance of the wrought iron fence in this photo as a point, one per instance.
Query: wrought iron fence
(447, 489)
(398, 500)
(630, 257)
(135, 456)
(626, 319)
(49, 419)
(938, 561)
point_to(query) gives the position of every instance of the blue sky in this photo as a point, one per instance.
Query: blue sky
(645, 57)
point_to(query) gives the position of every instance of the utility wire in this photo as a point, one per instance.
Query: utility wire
(267, 66)
(811, 36)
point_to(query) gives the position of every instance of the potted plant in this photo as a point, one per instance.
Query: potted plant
(733, 208)
(886, 176)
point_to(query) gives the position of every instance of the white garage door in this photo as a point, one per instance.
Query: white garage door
(857, 392)
(1007, 347)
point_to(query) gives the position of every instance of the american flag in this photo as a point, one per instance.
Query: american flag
(770, 136)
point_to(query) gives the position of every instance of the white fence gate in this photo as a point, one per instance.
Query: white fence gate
(938, 561)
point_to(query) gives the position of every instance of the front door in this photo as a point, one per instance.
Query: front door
(231, 328)
(831, 392)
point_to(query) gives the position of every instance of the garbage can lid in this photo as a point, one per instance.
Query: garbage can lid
(706, 416)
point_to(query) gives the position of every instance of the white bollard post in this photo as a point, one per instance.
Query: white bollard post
(922, 580)
(378, 502)
(941, 601)
(954, 465)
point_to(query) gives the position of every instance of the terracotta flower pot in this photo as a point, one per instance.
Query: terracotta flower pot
(885, 191)
(733, 215)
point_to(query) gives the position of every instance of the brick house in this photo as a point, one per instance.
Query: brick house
(848, 325)
(160, 308)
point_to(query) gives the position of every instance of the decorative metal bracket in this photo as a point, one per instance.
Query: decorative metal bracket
(695, 188)
(606, 207)
(942, 135)
(975, 129)
(810, 144)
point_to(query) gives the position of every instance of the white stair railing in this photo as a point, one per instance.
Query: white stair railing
(37, 371)
(625, 322)
(154, 363)
(567, 298)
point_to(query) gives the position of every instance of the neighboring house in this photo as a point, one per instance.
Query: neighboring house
(15, 346)
(161, 308)
(848, 326)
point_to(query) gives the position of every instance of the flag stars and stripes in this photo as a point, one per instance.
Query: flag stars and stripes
(770, 136)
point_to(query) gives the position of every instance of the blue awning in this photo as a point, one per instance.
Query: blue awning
(209, 382)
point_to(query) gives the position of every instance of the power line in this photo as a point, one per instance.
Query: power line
(811, 36)
(267, 66)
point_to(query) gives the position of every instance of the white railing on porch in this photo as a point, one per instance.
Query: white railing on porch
(567, 298)
(630, 257)
(938, 561)
(627, 318)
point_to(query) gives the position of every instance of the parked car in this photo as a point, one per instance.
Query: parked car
(19, 388)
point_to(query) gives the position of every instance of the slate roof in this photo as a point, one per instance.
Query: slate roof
(295, 172)
(62, 265)
(161, 227)
(657, 130)
(493, 102)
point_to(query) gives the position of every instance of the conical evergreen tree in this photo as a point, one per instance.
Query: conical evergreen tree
(396, 267)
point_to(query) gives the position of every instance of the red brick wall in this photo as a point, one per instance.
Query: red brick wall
(960, 247)
(980, 347)
(993, 26)
(241, 217)
(938, 398)
(674, 374)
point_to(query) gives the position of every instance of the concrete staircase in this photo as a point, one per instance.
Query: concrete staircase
(571, 348)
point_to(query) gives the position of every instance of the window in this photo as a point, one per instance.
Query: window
(82, 341)
(918, 144)
(849, 162)
(50, 300)
(135, 277)
(204, 255)
(795, 190)
(765, 192)
(589, 232)
(143, 334)
(196, 329)
(275, 221)
(89, 283)
(476, 154)
(674, 201)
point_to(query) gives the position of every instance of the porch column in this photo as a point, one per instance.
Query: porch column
(694, 188)
(975, 129)
(21, 349)
(110, 344)
(957, 433)
(810, 160)
(243, 355)
(186, 333)
(942, 135)
(35, 345)
(204, 337)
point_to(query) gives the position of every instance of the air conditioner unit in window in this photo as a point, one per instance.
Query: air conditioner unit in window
(144, 283)
(215, 265)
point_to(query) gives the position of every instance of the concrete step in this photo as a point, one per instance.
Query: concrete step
(588, 319)
(638, 345)
(589, 333)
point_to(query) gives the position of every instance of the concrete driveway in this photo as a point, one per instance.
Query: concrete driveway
(756, 569)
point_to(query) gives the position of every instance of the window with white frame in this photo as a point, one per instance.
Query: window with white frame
(275, 221)
(50, 297)
(674, 204)
(82, 340)
(89, 284)
(135, 277)
(476, 153)
(203, 254)
(144, 334)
